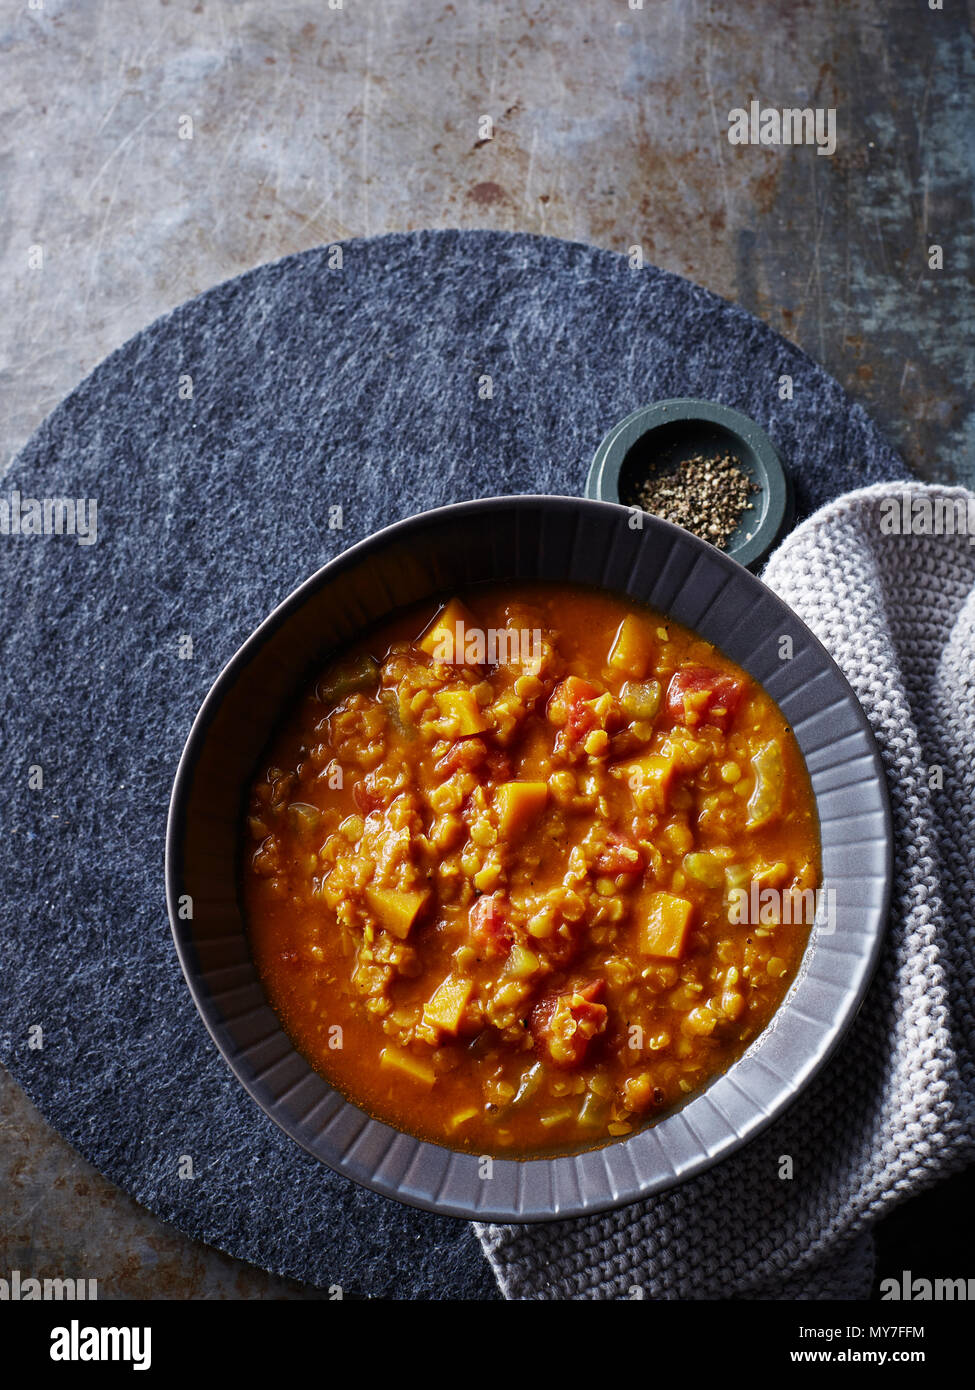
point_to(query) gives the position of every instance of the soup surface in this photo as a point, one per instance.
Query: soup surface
(523, 872)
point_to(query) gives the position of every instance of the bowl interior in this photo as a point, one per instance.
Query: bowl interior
(511, 539)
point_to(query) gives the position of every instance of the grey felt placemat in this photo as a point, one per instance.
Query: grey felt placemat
(217, 444)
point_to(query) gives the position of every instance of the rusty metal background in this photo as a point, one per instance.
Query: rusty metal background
(154, 147)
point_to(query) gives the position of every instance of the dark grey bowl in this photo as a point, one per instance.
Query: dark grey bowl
(527, 538)
(666, 433)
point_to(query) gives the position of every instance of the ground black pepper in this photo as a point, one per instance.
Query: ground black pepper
(706, 494)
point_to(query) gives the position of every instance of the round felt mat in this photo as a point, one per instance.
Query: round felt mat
(218, 445)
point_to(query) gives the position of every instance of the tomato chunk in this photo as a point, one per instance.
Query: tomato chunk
(618, 856)
(564, 1025)
(490, 929)
(465, 753)
(366, 797)
(498, 765)
(700, 695)
(570, 710)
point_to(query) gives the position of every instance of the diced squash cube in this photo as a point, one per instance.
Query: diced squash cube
(440, 639)
(396, 908)
(517, 803)
(462, 706)
(649, 779)
(445, 1007)
(632, 648)
(664, 924)
(405, 1064)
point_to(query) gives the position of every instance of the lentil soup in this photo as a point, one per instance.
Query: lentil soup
(501, 868)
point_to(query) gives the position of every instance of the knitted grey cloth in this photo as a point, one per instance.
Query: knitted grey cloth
(895, 1108)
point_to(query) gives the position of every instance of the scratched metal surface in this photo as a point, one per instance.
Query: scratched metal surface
(311, 124)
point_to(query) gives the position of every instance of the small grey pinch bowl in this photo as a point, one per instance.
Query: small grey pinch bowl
(660, 436)
(515, 539)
